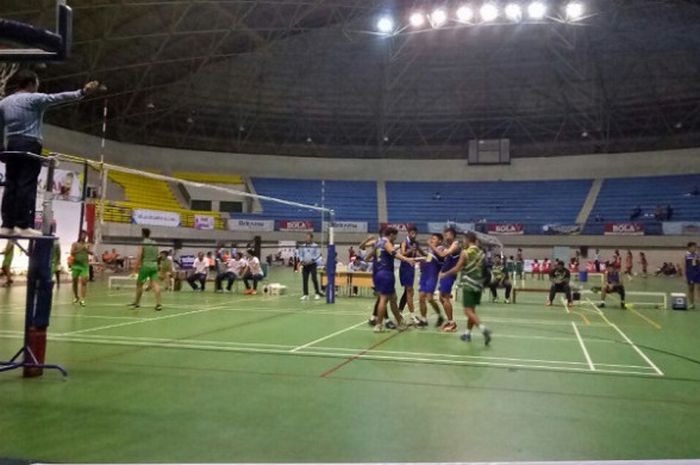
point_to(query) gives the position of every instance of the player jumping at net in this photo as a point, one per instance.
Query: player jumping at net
(613, 283)
(80, 267)
(560, 278)
(384, 279)
(450, 255)
(471, 265)
(407, 272)
(148, 269)
(429, 272)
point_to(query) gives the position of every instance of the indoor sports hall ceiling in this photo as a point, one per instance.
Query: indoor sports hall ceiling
(313, 77)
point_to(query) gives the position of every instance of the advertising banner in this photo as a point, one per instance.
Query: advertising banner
(440, 227)
(506, 229)
(296, 225)
(155, 218)
(624, 229)
(561, 229)
(348, 227)
(203, 222)
(250, 225)
(678, 228)
(402, 227)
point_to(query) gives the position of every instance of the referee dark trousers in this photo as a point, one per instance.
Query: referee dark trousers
(306, 270)
(21, 176)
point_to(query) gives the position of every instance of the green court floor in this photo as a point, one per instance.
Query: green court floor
(234, 378)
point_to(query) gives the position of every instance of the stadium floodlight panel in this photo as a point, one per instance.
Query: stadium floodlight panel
(488, 12)
(464, 14)
(438, 18)
(574, 11)
(514, 12)
(417, 19)
(536, 10)
(385, 25)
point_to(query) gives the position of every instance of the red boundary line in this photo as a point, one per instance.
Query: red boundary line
(351, 359)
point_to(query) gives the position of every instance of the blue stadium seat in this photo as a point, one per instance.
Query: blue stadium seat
(619, 196)
(351, 200)
(528, 202)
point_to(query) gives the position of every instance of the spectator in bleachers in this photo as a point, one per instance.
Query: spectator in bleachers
(201, 271)
(560, 278)
(252, 271)
(636, 213)
(233, 270)
(669, 212)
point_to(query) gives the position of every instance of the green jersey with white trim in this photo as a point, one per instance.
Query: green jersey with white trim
(472, 276)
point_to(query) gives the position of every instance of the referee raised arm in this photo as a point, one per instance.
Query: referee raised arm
(21, 115)
(309, 257)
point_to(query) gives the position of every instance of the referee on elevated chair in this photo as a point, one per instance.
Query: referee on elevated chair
(21, 115)
(309, 257)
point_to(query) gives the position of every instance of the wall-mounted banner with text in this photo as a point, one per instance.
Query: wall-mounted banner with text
(155, 218)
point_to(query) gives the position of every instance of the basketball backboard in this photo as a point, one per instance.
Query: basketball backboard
(21, 42)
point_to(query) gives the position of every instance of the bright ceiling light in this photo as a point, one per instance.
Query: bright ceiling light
(385, 25)
(438, 18)
(417, 19)
(488, 12)
(464, 14)
(537, 10)
(574, 11)
(514, 12)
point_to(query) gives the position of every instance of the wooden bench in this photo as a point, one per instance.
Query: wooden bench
(527, 289)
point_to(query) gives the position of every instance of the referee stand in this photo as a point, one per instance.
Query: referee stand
(30, 357)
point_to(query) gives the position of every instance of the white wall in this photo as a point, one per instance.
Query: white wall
(571, 167)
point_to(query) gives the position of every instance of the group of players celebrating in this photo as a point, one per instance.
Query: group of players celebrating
(441, 261)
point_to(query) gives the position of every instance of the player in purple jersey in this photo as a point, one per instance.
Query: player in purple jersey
(613, 283)
(407, 272)
(384, 279)
(429, 271)
(449, 255)
(692, 273)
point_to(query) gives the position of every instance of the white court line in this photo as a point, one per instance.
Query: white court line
(353, 353)
(629, 341)
(144, 320)
(79, 315)
(298, 348)
(583, 347)
(564, 302)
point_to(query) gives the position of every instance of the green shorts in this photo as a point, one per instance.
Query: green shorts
(470, 298)
(80, 271)
(148, 271)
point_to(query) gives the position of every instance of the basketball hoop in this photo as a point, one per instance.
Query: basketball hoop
(6, 72)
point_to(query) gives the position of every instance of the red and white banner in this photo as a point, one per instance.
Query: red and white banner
(506, 229)
(624, 229)
(401, 227)
(296, 225)
(203, 222)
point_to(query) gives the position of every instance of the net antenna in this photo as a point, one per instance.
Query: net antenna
(37, 44)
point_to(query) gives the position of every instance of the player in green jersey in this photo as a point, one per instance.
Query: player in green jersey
(148, 269)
